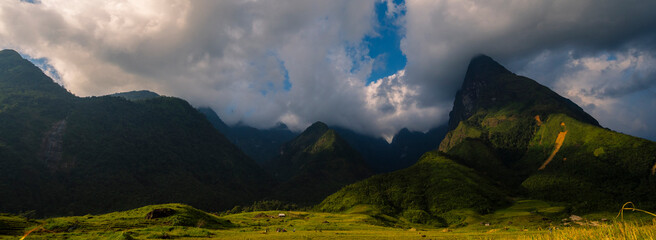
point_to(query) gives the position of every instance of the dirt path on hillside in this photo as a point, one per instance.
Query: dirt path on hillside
(559, 143)
(653, 169)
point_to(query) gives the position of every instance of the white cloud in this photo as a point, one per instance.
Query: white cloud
(615, 87)
(396, 102)
(231, 55)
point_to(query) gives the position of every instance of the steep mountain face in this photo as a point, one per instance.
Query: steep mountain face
(260, 144)
(315, 164)
(490, 86)
(511, 136)
(523, 134)
(66, 155)
(405, 149)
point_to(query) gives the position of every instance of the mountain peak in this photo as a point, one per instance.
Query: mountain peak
(489, 85)
(10, 53)
(317, 127)
(19, 75)
(482, 68)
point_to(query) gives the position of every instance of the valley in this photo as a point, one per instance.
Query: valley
(516, 160)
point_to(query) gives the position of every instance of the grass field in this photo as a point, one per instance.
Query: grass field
(525, 219)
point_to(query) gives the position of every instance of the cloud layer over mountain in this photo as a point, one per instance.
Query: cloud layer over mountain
(261, 62)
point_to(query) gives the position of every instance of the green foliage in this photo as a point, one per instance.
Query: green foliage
(136, 95)
(315, 164)
(14, 225)
(416, 216)
(264, 205)
(599, 152)
(434, 185)
(595, 168)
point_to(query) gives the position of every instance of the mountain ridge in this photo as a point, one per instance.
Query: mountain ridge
(315, 164)
(62, 154)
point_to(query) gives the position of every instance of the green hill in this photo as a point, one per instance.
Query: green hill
(422, 193)
(315, 164)
(61, 154)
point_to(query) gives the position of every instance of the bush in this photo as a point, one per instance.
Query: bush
(416, 216)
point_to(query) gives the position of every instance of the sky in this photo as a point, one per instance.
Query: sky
(374, 66)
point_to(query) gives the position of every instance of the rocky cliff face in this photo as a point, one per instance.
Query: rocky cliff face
(475, 88)
(490, 86)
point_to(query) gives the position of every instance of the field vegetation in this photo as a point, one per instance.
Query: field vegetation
(524, 219)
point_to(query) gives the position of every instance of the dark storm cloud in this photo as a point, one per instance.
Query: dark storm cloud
(443, 35)
(550, 41)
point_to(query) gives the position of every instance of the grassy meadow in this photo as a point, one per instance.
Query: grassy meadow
(525, 219)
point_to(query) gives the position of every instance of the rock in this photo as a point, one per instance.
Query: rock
(160, 213)
(575, 218)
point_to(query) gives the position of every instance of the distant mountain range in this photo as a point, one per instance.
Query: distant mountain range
(265, 144)
(508, 137)
(260, 144)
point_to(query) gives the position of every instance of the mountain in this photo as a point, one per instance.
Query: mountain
(62, 154)
(260, 144)
(515, 138)
(264, 144)
(424, 193)
(136, 95)
(491, 87)
(523, 134)
(494, 118)
(315, 164)
(404, 150)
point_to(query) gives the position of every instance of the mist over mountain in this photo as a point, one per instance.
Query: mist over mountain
(260, 144)
(405, 149)
(265, 144)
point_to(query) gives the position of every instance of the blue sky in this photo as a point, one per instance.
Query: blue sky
(386, 47)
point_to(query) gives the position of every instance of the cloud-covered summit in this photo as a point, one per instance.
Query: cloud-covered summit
(262, 62)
